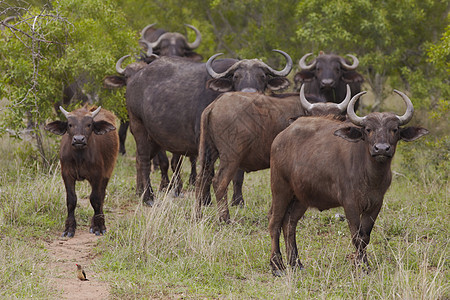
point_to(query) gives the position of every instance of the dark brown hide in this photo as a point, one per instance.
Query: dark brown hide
(238, 128)
(165, 103)
(163, 43)
(88, 151)
(324, 163)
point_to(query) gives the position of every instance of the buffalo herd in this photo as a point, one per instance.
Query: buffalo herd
(321, 154)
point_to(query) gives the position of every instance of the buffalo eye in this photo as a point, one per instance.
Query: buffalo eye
(368, 130)
(395, 130)
(70, 125)
(89, 125)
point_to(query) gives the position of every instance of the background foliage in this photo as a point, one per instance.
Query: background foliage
(399, 43)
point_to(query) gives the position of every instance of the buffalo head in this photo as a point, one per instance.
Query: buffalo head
(249, 75)
(327, 75)
(79, 126)
(117, 81)
(172, 43)
(380, 131)
(324, 108)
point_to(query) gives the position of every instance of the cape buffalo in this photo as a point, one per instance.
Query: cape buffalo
(88, 150)
(165, 101)
(166, 43)
(117, 81)
(327, 75)
(163, 43)
(238, 128)
(324, 163)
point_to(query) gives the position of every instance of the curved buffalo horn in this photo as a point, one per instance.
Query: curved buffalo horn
(302, 63)
(149, 47)
(10, 18)
(198, 37)
(151, 44)
(65, 112)
(409, 109)
(95, 112)
(143, 31)
(343, 105)
(286, 69)
(309, 106)
(303, 101)
(119, 63)
(353, 66)
(351, 110)
(210, 70)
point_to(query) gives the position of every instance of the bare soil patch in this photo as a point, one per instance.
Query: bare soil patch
(64, 254)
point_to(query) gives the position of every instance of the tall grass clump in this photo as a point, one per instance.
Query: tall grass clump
(23, 269)
(30, 210)
(163, 252)
(170, 247)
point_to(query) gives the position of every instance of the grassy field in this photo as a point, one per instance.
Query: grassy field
(162, 253)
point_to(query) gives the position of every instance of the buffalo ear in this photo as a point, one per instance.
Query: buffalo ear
(114, 82)
(102, 127)
(278, 83)
(221, 85)
(303, 76)
(352, 76)
(351, 134)
(57, 127)
(409, 134)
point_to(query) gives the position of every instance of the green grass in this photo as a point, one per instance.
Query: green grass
(162, 252)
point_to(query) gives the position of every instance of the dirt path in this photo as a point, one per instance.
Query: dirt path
(64, 254)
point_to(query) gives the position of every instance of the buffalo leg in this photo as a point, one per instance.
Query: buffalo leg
(176, 183)
(145, 151)
(281, 198)
(163, 162)
(193, 175)
(293, 214)
(360, 228)
(221, 181)
(238, 181)
(71, 201)
(122, 136)
(97, 199)
(203, 185)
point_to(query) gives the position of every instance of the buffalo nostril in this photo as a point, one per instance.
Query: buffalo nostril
(382, 147)
(327, 82)
(79, 139)
(249, 90)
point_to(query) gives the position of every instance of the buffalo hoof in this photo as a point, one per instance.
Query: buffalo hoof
(149, 203)
(298, 267)
(68, 234)
(278, 273)
(97, 232)
(225, 219)
(237, 199)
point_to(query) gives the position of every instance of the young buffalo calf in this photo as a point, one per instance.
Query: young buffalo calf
(84, 155)
(323, 163)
